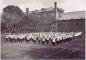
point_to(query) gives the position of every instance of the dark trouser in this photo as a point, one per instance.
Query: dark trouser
(70, 38)
(57, 42)
(39, 41)
(53, 43)
(43, 42)
(47, 41)
(34, 41)
(20, 40)
(15, 40)
(11, 40)
(7, 39)
(60, 41)
(27, 40)
(67, 39)
(31, 40)
(64, 40)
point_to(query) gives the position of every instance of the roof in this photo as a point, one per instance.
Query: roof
(73, 15)
(47, 9)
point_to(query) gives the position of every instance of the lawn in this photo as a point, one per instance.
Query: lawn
(74, 49)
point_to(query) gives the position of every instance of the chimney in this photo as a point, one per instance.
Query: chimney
(55, 10)
(55, 5)
(27, 11)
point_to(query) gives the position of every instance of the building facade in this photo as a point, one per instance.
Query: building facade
(54, 19)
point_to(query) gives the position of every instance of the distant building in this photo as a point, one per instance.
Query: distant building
(48, 12)
(73, 15)
(27, 11)
(54, 19)
(56, 13)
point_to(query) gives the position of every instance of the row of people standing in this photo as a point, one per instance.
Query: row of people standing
(54, 38)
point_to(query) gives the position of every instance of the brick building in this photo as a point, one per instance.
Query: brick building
(54, 19)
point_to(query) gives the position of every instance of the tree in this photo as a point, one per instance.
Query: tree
(11, 15)
(12, 9)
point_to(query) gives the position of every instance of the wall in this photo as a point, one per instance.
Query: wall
(73, 15)
(74, 25)
(70, 22)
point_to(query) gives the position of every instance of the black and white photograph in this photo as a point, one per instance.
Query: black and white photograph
(42, 29)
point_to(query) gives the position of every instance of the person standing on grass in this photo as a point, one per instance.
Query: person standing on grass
(15, 38)
(40, 38)
(43, 40)
(57, 40)
(47, 39)
(11, 38)
(20, 38)
(60, 38)
(53, 40)
(64, 38)
(34, 39)
(7, 37)
(27, 39)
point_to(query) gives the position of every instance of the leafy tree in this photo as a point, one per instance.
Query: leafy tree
(12, 9)
(11, 15)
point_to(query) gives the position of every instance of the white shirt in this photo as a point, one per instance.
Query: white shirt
(60, 38)
(34, 38)
(28, 38)
(57, 39)
(20, 37)
(7, 36)
(11, 36)
(15, 37)
(53, 40)
(43, 39)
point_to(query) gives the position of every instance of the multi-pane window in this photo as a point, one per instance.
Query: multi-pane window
(52, 14)
(59, 24)
(44, 15)
(76, 24)
(59, 16)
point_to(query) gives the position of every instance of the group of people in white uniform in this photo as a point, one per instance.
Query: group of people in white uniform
(43, 37)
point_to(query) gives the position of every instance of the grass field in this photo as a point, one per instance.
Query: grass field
(74, 49)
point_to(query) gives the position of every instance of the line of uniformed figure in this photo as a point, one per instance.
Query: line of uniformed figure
(43, 37)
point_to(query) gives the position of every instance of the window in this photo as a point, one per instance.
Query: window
(52, 14)
(44, 15)
(59, 16)
(59, 24)
(68, 24)
(39, 16)
(76, 24)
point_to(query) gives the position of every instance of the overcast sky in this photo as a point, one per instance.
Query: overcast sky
(67, 5)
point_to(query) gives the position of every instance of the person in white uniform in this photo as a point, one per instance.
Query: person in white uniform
(39, 37)
(60, 38)
(27, 38)
(11, 38)
(20, 38)
(53, 41)
(7, 37)
(43, 40)
(47, 39)
(57, 40)
(15, 38)
(34, 39)
(64, 38)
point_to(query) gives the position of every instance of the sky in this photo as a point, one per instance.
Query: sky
(67, 5)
